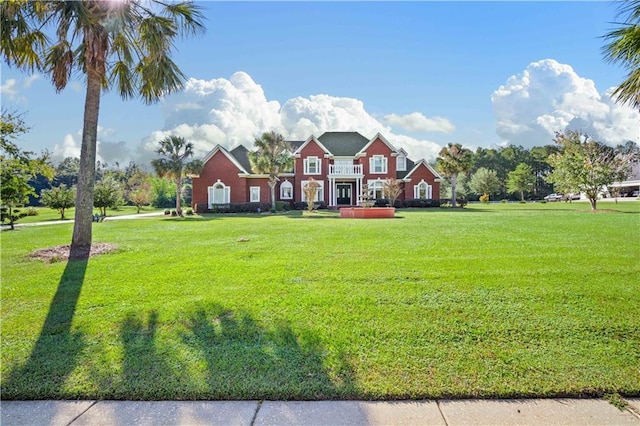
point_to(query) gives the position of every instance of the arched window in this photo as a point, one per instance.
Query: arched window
(286, 190)
(422, 191)
(219, 193)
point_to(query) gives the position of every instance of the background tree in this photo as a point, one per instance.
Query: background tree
(67, 172)
(587, 164)
(163, 193)
(175, 150)
(124, 45)
(108, 195)
(391, 190)
(623, 47)
(17, 167)
(452, 161)
(58, 198)
(138, 189)
(272, 157)
(521, 180)
(484, 181)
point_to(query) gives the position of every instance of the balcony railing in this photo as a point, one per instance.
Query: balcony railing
(345, 169)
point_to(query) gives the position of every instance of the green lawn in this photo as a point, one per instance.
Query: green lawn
(46, 214)
(490, 301)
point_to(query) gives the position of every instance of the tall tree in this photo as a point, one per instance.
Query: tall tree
(484, 181)
(452, 161)
(623, 47)
(587, 164)
(125, 45)
(17, 167)
(175, 151)
(521, 179)
(272, 157)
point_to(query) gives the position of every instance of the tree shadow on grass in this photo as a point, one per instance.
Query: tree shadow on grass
(147, 371)
(247, 360)
(57, 349)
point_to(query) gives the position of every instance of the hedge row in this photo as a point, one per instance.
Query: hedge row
(265, 207)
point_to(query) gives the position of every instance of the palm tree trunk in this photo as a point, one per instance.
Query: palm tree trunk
(178, 196)
(272, 186)
(454, 183)
(81, 239)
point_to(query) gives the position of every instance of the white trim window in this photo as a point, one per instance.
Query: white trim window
(375, 188)
(286, 190)
(312, 166)
(254, 194)
(319, 194)
(422, 191)
(401, 163)
(378, 164)
(219, 193)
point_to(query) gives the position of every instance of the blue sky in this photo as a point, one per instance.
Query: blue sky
(423, 73)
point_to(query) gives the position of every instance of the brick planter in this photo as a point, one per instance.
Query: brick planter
(367, 212)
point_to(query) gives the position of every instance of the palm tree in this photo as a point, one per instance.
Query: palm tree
(272, 157)
(453, 160)
(175, 151)
(623, 47)
(125, 45)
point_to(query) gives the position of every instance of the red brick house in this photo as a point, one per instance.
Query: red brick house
(341, 162)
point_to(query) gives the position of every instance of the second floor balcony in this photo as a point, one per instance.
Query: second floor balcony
(345, 169)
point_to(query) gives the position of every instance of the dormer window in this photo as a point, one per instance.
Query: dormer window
(401, 163)
(378, 164)
(312, 166)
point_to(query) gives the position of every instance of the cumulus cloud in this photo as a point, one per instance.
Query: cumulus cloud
(549, 96)
(418, 122)
(235, 111)
(109, 152)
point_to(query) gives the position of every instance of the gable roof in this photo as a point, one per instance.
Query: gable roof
(383, 139)
(343, 143)
(231, 157)
(418, 163)
(401, 174)
(241, 153)
(307, 142)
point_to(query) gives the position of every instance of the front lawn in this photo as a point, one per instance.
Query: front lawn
(490, 301)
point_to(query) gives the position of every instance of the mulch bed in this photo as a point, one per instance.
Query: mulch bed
(60, 253)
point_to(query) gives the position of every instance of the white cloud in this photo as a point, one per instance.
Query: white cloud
(107, 151)
(235, 111)
(10, 88)
(549, 96)
(418, 122)
(29, 80)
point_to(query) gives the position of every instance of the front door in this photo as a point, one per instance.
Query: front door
(343, 192)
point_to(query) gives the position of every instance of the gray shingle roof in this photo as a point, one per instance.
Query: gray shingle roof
(343, 143)
(410, 165)
(242, 155)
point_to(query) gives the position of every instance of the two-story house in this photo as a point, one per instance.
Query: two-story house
(340, 162)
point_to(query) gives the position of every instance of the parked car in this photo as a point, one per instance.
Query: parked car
(554, 197)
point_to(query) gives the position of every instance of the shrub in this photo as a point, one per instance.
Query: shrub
(503, 201)
(31, 211)
(522, 202)
(201, 208)
(302, 205)
(189, 212)
(174, 213)
(240, 208)
(484, 198)
(167, 212)
(421, 203)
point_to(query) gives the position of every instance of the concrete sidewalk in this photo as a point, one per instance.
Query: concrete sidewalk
(443, 412)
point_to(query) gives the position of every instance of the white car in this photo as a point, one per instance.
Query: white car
(554, 197)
